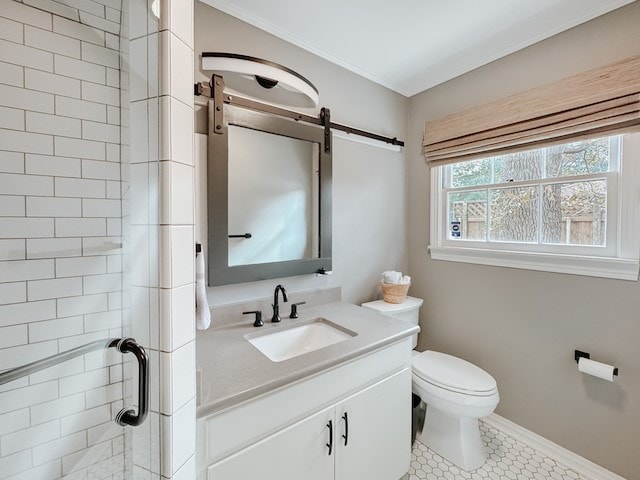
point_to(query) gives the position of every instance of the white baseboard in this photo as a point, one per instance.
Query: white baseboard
(585, 468)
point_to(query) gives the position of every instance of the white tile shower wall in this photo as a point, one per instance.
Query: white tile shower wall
(176, 275)
(60, 254)
(140, 227)
(161, 235)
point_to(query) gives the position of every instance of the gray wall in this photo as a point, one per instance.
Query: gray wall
(522, 326)
(369, 206)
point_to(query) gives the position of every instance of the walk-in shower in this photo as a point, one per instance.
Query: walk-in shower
(82, 234)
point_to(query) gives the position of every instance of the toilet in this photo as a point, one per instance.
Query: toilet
(456, 393)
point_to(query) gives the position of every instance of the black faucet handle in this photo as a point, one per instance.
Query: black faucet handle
(258, 321)
(294, 309)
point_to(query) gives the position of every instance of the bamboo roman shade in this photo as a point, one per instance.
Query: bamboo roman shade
(595, 103)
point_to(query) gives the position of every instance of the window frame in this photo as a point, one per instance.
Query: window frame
(619, 259)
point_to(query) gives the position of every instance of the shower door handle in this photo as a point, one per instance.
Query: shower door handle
(123, 345)
(128, 416)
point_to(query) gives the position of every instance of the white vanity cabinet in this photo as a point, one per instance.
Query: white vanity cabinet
(378, 444)
(361, 409)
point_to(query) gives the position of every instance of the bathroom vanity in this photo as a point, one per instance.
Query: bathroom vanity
(342, 411)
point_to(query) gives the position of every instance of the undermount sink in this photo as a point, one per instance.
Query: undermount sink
(294, 341)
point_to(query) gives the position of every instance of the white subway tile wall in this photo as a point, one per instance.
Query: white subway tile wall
(61, 262)
(159, 229)
(77, 192)
(173, 81)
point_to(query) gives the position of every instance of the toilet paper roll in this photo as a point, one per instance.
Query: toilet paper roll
(597, 369)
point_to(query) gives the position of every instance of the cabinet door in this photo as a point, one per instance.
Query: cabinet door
(294, 453)
(377, 428)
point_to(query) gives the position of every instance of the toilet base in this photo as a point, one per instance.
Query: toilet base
(455, 438)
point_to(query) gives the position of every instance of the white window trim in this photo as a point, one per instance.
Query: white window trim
(623, 265)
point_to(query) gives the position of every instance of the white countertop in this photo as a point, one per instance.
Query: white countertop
(232, 370)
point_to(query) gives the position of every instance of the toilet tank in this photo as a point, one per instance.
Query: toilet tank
(407, 311)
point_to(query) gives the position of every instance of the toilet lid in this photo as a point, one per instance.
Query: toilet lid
(452, 373)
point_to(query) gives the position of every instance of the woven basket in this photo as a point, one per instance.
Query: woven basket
(394, 293)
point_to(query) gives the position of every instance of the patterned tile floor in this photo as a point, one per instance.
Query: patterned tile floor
(508, 459)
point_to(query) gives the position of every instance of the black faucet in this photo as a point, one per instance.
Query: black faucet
(276, 307)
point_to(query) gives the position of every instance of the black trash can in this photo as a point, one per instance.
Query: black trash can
(417, 416)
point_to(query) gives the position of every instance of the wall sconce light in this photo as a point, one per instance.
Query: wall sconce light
(261, 79)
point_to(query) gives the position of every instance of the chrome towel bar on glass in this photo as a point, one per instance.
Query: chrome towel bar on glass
(123, 345)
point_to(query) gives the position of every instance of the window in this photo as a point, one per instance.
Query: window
(568, 208)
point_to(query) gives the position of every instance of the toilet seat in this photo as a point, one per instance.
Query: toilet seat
(453, 374)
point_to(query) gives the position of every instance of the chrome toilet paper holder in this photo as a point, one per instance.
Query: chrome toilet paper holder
(579, 354)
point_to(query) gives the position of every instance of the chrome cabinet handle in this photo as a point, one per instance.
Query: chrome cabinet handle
(128, 416)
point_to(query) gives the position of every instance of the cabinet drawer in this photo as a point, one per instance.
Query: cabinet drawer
(227, 432)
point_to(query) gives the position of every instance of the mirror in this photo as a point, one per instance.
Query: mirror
(269, 197)
(273, 182)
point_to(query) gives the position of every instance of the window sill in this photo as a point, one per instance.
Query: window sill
(605, 267)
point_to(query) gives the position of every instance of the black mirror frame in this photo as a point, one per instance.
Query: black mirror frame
(220, 273)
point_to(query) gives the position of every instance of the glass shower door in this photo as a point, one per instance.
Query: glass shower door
(78, 262)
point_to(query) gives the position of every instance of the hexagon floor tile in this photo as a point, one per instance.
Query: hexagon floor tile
(508, 459)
